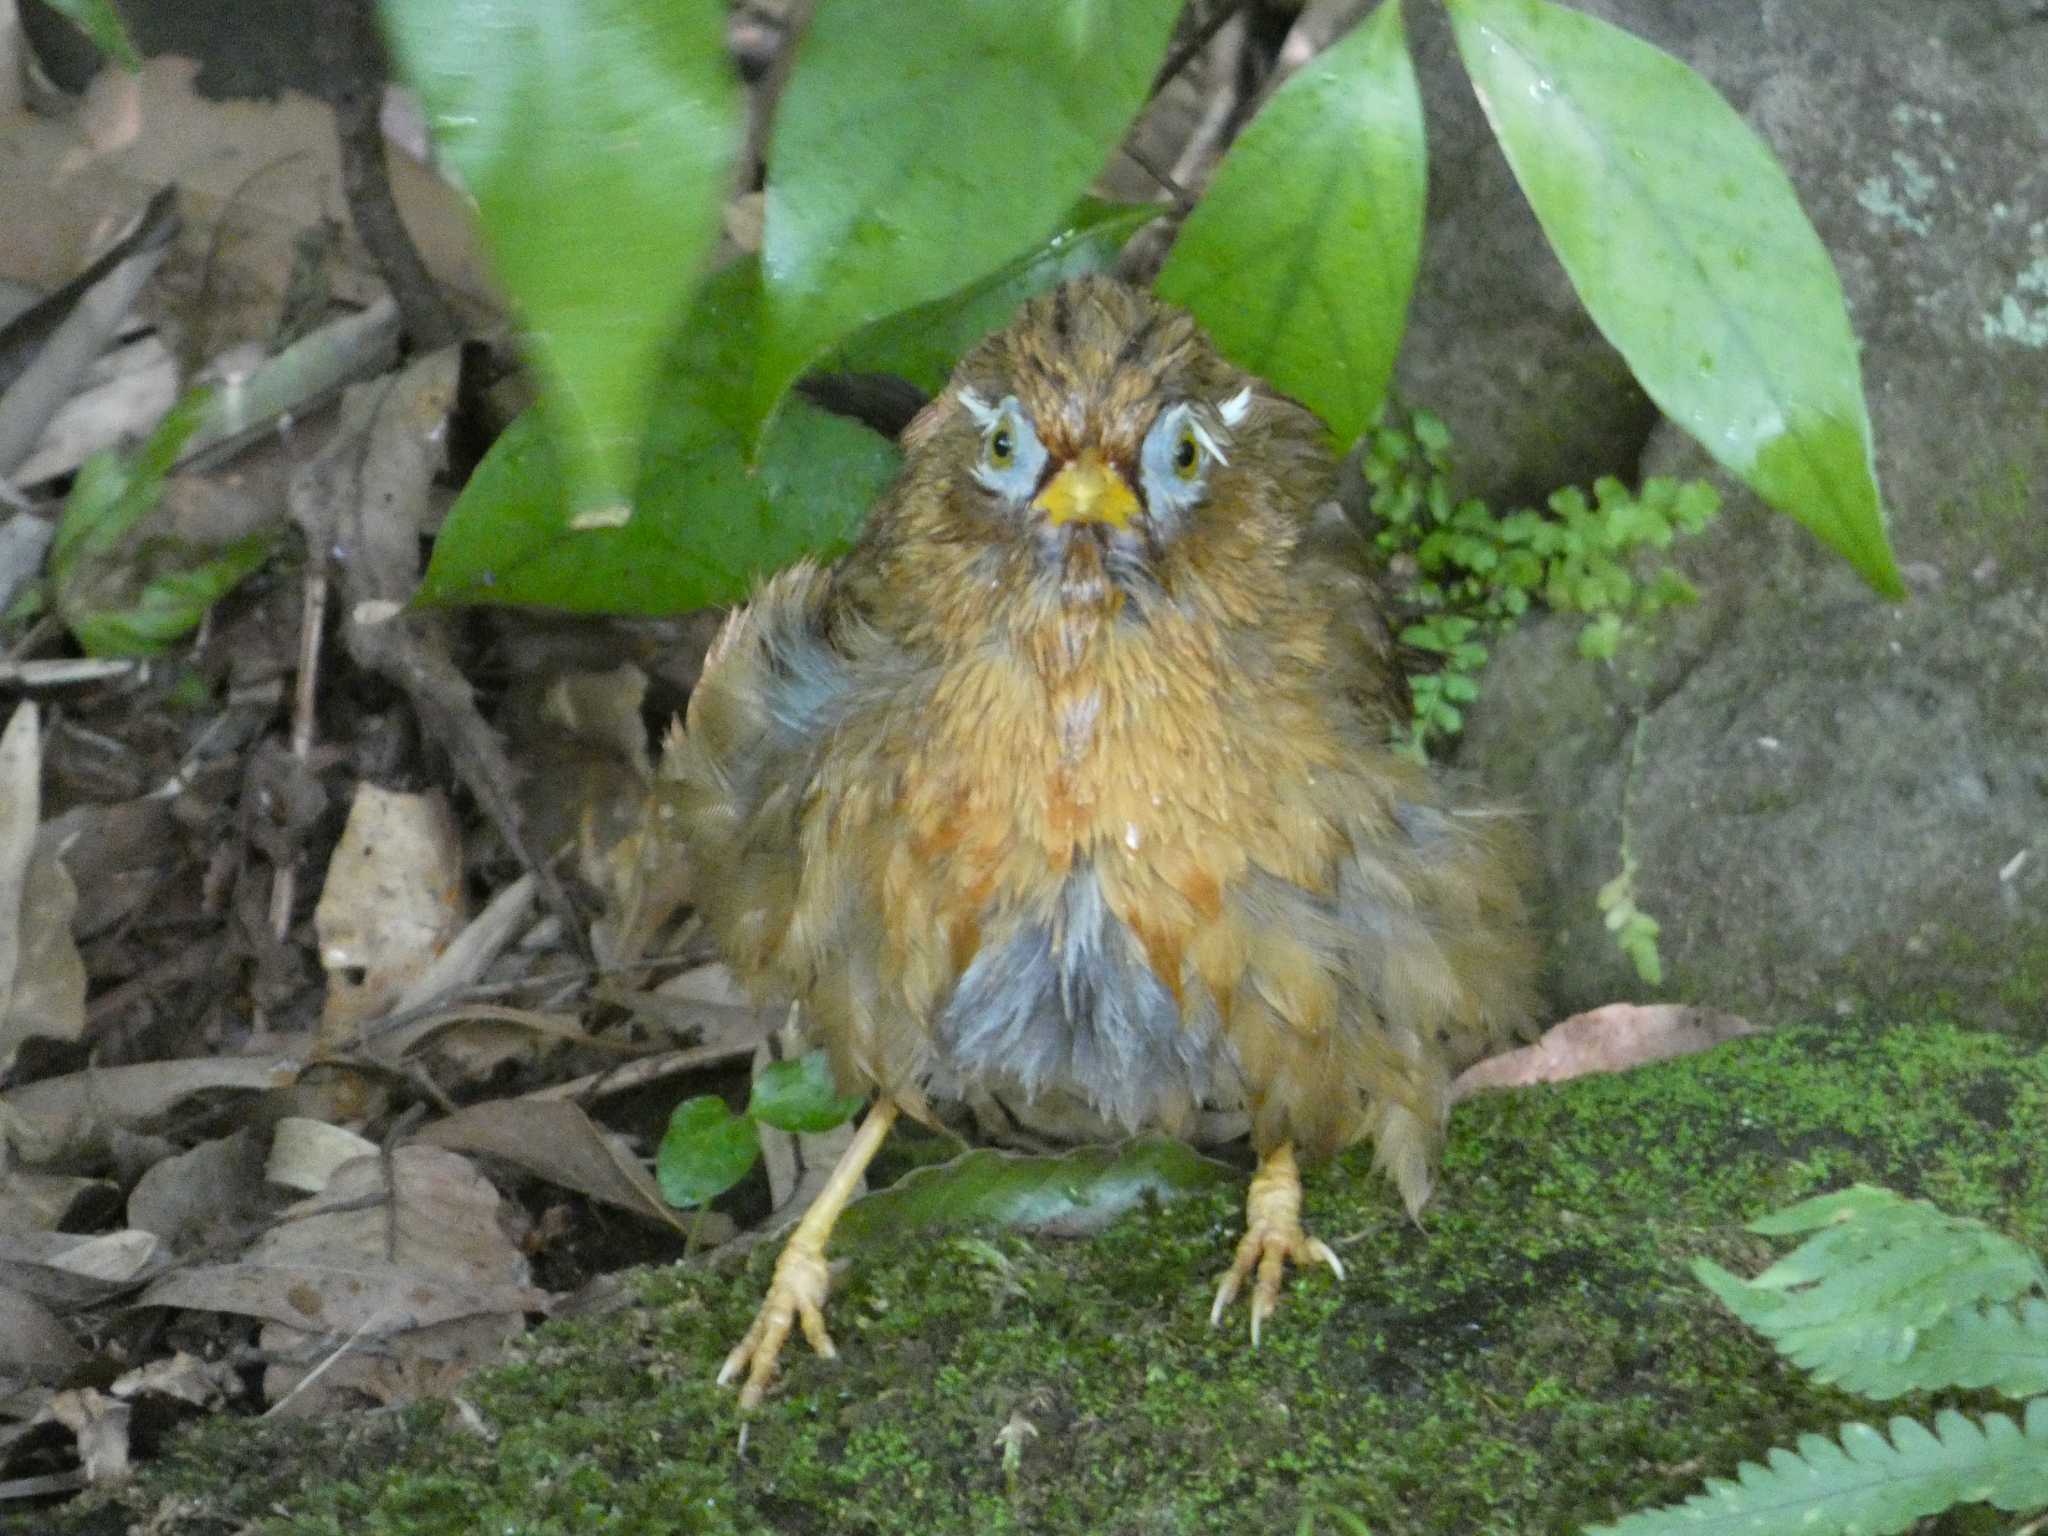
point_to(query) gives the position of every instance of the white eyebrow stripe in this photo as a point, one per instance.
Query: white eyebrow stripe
(1236, 407)
(1201, 435)
(984, 414)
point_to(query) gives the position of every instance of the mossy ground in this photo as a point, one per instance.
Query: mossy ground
(1533, 1357)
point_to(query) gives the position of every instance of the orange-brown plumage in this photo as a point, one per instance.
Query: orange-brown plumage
(1072, 777)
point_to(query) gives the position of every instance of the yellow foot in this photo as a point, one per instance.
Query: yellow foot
(1272, 1237)
(796, 1294)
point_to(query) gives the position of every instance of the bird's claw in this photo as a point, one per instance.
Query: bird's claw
(1272, 1236)
(1268, 1247)
(796, 1296)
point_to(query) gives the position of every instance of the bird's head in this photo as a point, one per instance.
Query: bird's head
(1103, 444)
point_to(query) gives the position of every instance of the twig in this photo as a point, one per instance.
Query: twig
(1191, 49)
(356, 59)
(1180, 195)
(60, 671)
(312, 622)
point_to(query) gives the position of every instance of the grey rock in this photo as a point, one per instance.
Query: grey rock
(1835, 801)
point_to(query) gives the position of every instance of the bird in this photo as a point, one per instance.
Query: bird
(1073, 780)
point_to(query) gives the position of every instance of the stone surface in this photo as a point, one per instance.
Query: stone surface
(1498, 344)
(1834, 800)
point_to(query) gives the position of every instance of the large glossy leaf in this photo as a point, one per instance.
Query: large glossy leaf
(1682, 235)
(1078, 1191)
(1300, 257)
(924, 343)
(920, 143)
(598, 138)
(707, 526)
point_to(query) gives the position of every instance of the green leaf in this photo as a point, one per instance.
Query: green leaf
(801, 1095)
(707, 528)
(110, 496)
(170, 605)
(924, 343)
(1682, 235)
(920, 143)
(1301, 256)
(1852, 1302)
(598, 138)
(123, 595)
(705, 1151)
(1865, 1483)
(1075, 1192)
(98, 20)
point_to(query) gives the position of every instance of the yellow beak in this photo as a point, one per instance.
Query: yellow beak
(1088, 491)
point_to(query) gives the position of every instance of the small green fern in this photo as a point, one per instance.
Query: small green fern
(1889, 1296)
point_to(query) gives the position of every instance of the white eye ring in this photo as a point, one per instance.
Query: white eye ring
(1016, 476)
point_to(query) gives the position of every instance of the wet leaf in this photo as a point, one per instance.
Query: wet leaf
(705, 1151)
(1075, 1192)
(924, 343)
(598, 140)
(1300, 257)
(1686, 242)
(707, 527)
(801, 1096)
(900, 171)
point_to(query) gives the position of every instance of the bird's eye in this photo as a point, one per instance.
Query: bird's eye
(1002, 449)
(1187, 454)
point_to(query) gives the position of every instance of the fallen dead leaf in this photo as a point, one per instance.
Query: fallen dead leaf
(69, 1270)
(183, 1377)
(561, 1144)
(100, 1425)
(391, 902)
(60, 1118)
(1610, 1039)
(445, 1295)
(304, 1153)
(32, 1342)
(187, 1199)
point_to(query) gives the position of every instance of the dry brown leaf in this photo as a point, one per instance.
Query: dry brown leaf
(252, 175)
(304, 1153)
(68, 1270)
(323, 1266)
(186, 1199)
(452, 1289)
(60, 1117)
(32, 1342)
(31, 1201)
(561, 1144)
(184, 1377)
(391, 902)
(1610, 1039)
(100, 1425)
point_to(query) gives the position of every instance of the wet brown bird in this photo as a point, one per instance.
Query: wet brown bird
(1072, 780)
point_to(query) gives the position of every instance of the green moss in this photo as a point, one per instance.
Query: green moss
(1532, 1357)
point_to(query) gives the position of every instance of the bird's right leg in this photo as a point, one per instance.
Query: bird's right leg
(802, 1277)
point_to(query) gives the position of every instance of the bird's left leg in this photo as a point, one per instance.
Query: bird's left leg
(1272, 1236)
(797, 1293)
